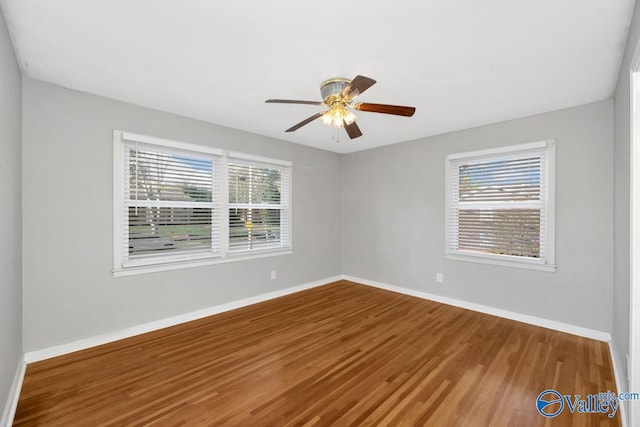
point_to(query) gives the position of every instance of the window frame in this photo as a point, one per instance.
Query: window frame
(222, 255)
(547, 235)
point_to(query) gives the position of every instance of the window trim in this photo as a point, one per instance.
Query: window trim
(508, 260)
(223, 256)
(178, 265)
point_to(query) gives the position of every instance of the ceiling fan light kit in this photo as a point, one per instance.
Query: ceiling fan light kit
(338, 94)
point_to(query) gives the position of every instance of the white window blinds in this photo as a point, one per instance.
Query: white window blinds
(182, 204)
(170, 206)
(500, 204)
(259, 205)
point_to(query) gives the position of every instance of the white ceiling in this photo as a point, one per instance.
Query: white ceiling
(461, 63)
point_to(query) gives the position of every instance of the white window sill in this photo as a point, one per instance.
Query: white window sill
(503, 262)
(154, 268)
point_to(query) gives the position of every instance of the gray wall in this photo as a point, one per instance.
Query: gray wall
(622, 150)
(10, 215)
(69, 291)
(393, 218)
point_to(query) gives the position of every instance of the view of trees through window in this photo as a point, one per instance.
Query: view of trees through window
(254, 206)
(499, 207)
(170, 203)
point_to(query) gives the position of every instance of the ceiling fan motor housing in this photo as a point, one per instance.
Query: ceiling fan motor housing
(333, 87)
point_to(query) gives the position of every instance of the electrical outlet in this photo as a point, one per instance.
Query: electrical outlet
(439, 278)
(274, 274)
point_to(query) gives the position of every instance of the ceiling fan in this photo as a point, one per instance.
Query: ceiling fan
(338, 95)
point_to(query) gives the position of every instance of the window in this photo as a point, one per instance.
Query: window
(171, 208)
(500, 206)
(258, 209)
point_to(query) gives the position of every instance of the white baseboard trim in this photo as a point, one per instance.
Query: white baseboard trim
(537, 321)
(59, 350)
(14, 394)
(617, 373)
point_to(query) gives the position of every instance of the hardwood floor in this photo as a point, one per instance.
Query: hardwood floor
(342, 354)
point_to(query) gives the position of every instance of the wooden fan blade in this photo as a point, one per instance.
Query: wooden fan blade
(353, 130)
(305, 122)
(396, 110)
(292, 101)
(358, 85)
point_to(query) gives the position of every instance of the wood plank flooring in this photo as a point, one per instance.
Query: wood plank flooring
(342, 354)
